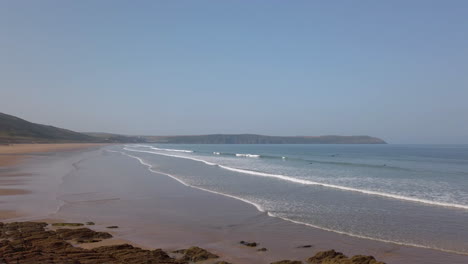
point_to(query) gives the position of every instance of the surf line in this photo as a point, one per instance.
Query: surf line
(260, 209)
(150, 168)
(308, 182)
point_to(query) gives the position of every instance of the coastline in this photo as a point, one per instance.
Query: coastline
(162, 213)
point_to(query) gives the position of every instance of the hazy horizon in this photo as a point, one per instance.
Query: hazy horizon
(395, 70)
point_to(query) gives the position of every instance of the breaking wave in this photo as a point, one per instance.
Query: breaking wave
(314, 183)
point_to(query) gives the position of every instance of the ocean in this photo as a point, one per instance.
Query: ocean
(404, 194)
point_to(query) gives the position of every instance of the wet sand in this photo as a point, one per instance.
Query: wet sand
(9, 214)
(11, 157)
(155, 211)
(34, 148)
(8, 160)
(13, 191)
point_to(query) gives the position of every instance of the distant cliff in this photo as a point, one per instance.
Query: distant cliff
(260, 139)
(17, 130)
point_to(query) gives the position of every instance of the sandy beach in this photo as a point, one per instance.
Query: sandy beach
(81, 183)
(11, 155)
(234, 132)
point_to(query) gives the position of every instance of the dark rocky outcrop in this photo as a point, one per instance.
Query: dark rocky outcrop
(287, 262)
(130, 254)
(31, 243)
(248, 244)
(67, 224)
(196, 254)
(81, 234)
(326, 257)
(333, 257)
(360, 259)
(305, 246)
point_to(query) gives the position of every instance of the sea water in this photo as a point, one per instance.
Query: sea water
(404, 194)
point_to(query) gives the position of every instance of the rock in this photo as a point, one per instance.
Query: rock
(326, 257)
(30, 243)
(333, 257)
(262, 249)
(67, 224)
(249, 244)
(222, 262)
(287, 262)
(130, 254)
(196, 254)
(89, 241)
(360, 259)
(89, 223)
(305, 246)
(112, 227)
(84, 234)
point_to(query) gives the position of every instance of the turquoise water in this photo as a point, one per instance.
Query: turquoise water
(405, 194)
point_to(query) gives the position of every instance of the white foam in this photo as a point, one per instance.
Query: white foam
(308, 182)
(163, 149)
(172, 155)
(259, 208)
(216, 153)
(150, 168)
(369, 238)
(174, 150)
(344, 188)
(138, 145)
(247, 155)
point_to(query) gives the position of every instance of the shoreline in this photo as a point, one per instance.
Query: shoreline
(33, 242)
(261, 210)
(175, 224)
(306, 182)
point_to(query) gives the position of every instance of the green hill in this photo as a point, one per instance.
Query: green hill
(115, 138)
(17, 130)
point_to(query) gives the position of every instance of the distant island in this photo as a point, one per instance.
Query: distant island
(17, 130)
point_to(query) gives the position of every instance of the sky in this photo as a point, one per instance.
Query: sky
(397, 70)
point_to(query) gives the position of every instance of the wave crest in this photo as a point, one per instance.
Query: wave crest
(309, 182)
(247, 155)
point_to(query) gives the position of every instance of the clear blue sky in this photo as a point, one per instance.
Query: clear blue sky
(392, 69)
